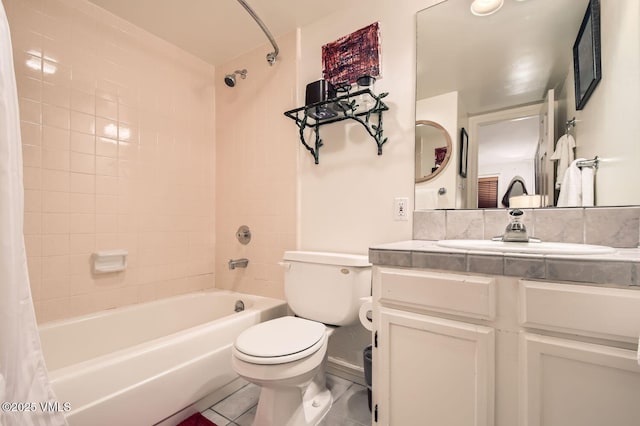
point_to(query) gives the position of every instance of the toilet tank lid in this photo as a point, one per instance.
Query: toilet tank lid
(326, 258)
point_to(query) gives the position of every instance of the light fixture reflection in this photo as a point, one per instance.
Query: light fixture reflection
(114, 132)
(111, 130)
(486, 7)
(36, 62)
(125, 133)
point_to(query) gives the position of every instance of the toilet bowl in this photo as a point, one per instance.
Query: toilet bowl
(287, 356)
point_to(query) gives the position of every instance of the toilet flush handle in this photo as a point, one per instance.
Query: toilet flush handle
(285, 265)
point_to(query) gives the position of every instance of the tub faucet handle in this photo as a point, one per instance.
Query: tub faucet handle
(243, 234)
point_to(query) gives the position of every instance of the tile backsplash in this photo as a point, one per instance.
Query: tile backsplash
(610, 226)
(118, 148)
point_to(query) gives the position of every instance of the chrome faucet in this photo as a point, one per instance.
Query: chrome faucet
(515, 230)
(238, 263)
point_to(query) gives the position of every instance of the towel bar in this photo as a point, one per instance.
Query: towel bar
(589, 163)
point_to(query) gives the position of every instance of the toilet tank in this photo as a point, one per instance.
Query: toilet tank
(326, 287)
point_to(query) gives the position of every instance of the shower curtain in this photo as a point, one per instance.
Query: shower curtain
(26, 397)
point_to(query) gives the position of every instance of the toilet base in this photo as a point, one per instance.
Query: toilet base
(295, 406)
(291, 408)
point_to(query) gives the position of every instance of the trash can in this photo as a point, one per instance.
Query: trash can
(366, 354)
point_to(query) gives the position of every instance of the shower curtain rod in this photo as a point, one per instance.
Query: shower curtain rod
(271, 57)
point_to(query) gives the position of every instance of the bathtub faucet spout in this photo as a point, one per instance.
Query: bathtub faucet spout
(238, 263)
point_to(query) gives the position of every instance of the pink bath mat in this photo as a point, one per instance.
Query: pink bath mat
(196, 420)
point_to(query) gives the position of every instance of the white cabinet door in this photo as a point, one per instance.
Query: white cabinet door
(433, 371)
(571, 383)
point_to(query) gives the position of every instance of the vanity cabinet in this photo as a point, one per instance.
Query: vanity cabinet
(460, 349)
(436, 371)
(430, 369)
(572, 383)
(578, 355)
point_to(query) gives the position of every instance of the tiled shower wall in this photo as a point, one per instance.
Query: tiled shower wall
(118, 146)
(257, 147)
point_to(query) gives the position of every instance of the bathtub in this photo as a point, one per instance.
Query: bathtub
(140, 364)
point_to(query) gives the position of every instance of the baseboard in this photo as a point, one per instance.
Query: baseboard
(346, 370)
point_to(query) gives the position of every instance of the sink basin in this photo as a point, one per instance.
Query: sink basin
(530, 247)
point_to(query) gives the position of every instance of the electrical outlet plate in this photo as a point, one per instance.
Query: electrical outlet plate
(400, 206)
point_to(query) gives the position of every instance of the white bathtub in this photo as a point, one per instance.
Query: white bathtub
(140, 364)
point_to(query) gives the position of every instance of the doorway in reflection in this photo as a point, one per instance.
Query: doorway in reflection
(506, 160)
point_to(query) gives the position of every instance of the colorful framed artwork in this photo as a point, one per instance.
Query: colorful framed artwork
(352, 56)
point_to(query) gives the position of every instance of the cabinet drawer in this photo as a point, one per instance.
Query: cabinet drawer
(609, 313)
(466, 295)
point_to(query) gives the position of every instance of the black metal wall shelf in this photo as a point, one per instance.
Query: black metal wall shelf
(341, 108)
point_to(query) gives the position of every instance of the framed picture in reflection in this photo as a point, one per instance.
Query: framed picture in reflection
(464, 152)
(587, 70)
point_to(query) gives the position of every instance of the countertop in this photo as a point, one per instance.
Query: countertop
(619, 268)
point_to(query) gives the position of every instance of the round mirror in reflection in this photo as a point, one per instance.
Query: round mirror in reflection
(433, 149)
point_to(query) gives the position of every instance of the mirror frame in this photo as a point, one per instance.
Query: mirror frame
(445, 162)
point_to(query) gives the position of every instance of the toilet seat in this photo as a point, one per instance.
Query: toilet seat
(280, 340)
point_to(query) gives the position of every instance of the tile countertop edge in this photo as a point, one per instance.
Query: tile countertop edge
(619, 268)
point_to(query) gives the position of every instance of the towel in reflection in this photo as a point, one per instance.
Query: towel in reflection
(577, 186)
(563, 154)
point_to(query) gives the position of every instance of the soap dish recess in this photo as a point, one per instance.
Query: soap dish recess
(109, 261)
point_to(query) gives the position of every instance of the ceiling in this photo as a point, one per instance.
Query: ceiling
(218, 30)
(510, 58)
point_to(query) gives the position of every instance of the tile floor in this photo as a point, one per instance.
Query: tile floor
(350, 407)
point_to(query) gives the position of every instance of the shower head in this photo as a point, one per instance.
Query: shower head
(230, 79)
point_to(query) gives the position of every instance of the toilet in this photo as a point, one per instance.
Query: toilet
(287, 356)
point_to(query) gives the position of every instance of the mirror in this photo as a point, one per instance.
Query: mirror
(510, 76)
(433, 149)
